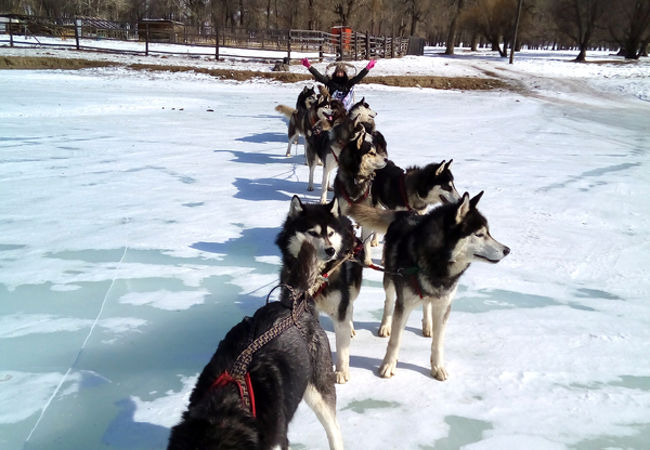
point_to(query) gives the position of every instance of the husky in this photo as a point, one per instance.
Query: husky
(333, 237)
(414, 189)
(358, 162)
(424, 257)
(362, 113)
(296, 115)
(227, 413)
(326, 147)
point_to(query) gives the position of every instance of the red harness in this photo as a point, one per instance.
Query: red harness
(245, 391)
(349, 200)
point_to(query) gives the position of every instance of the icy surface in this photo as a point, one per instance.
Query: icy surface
(137, 218)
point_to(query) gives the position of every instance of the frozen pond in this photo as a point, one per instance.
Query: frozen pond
(137, 218)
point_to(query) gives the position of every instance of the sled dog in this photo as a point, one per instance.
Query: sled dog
(326, 148)
(358, 162)
(333, 237)
(296, 115)
(249, 406)
(424, 257)
(413, 189)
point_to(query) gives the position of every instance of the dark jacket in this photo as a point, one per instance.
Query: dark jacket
(343, 85)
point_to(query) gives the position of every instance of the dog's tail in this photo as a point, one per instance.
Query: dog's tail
(376, 219)
(286, 110)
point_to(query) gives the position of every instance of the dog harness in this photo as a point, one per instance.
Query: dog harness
(239, 374)
(347, 196)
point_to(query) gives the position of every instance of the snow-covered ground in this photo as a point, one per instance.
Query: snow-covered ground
(138, 212)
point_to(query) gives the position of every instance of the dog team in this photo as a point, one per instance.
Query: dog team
(249, 391)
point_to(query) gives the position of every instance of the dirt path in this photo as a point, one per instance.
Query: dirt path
(457, 83)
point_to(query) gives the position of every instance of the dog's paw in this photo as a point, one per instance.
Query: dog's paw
(387, 369)
(310, 188)
(384, 331)
(288, 154)
(353, 332)
(342, 376)
(439, 373)
(330, 188)
(374, 242)
(427, 329)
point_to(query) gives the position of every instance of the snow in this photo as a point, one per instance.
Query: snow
(137, 227)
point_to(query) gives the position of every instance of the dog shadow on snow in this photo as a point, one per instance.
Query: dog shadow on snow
(372, 364)
(260, 189)
(246, 157)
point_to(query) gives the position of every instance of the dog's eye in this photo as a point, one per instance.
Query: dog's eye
(479, 234)
(446, 187)
(330, 234)
(313, 233)
(372, 153)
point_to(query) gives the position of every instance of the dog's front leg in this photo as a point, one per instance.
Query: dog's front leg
(440, 313)
(327, 168)
(400, 317)
(366, 238)
(343, 329)
(389, 305)
(427, 319)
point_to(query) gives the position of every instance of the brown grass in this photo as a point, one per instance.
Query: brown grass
(459, 83)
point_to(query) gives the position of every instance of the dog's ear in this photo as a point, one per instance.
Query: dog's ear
(296, 207)
(463, 208)
(334, 207)
(473, 202)
(440, 169)
(449, 164)
(363, 100)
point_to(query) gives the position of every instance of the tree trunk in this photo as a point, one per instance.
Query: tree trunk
(453, 28)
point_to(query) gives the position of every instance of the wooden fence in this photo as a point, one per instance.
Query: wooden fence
(205, 41)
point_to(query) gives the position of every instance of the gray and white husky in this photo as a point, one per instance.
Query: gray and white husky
(296, 115)
(333, 237)
(425, 256)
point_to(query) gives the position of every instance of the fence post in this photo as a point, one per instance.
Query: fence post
(392, 46)
(340, 58)
(146, 41)
(289, 47)
(385, 47)
(77, 27)
(216, 42)
(356, 49)
(367, 45)
(11, 34)
(320, 51)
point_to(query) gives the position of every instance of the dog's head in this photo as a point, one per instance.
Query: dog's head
(362, 112)
(436, 184)
(319, 225)
(473, 239)
(306, 98)
(361, 157)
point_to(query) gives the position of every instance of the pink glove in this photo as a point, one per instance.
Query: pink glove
(305, 62)
(371, 64)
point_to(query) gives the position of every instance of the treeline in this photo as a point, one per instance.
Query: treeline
(621, 25)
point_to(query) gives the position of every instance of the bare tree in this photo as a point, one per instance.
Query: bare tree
(578, 19)
(629, 26)
(453, 27)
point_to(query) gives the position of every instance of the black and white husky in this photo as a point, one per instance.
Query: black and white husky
(297, 115)
(414, 188)
(358, 162)
(333, 237)
(424, 257)
(252, 411)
